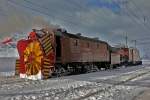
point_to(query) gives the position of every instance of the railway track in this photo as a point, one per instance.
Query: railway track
(12, 80)
(131, 77)
(88, 88)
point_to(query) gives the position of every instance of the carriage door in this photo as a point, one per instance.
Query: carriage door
(58, 48)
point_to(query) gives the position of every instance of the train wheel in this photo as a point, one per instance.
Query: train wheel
(95, 68)
(33, 58)
(60, 72)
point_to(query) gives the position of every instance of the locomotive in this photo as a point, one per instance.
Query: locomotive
(50, 52)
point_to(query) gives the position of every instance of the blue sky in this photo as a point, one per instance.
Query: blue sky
(107, 19)
(108, 4)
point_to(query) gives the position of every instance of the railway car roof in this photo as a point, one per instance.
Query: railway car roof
(84, 38)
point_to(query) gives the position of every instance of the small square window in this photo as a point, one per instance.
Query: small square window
(88, 45)
(97, 45)
(76, 43)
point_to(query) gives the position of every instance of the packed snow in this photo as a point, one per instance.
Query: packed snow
(102, 85)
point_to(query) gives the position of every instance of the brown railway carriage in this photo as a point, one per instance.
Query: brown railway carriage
(124, 55)
(77, 50)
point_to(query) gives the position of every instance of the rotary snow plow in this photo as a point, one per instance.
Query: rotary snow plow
(36, 55)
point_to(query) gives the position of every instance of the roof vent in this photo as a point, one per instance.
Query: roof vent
(78, 34)
(62, 30)
(96, 38)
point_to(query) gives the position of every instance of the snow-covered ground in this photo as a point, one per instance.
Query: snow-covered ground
(146, 61)
(118, 84)
(7, 64)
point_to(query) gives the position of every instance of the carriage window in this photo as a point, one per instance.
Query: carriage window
(97, 45)
(76, 43)
(88, 45)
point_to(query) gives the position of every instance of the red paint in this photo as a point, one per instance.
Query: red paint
(21, 46)
(32, 35)
(7, 40)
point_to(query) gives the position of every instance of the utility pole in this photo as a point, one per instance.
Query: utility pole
(135, 42)
(126, 39)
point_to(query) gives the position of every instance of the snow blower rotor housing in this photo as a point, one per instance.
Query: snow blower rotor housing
(36, 55)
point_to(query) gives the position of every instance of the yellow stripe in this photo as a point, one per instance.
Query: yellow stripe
(48, 50)
(47, 67)
(47, 43)
(47, 46)
(46, 74)
(46, 70)
(47, 53)
(47, 63)
(46, 36)
(45, 40)
(46, 59)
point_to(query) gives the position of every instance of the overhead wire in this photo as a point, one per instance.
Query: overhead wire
(142, 14)
(43, 12)
(139, 9)
(145, 27)
(133, 16)
(43, 7)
